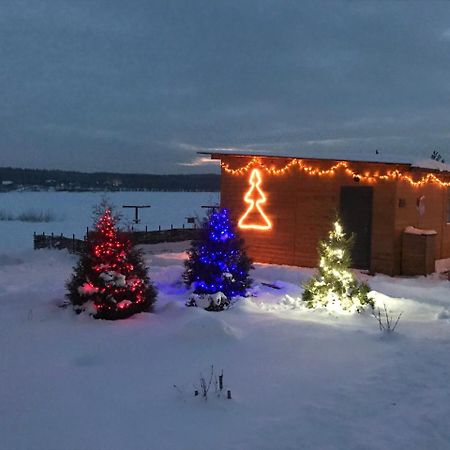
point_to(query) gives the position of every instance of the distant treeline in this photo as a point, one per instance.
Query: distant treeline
(12, 178)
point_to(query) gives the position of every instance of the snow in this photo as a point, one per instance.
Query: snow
(432, 164)
(72, 212)
(300, 379)
(419, 231)
(442, 265)
(207, 300)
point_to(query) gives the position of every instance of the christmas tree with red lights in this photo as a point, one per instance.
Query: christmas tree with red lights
(110, 280)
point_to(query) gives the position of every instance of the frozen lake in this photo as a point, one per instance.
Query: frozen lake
(73, 211)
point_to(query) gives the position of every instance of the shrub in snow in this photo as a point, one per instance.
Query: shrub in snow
(386, 322)
(210, 302)
(110, 281)
(215, 381)
(335, 286)
(217, 261)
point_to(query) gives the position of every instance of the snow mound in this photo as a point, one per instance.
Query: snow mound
(6, 260)
(287, 303)
(208, 327)
(414, 309)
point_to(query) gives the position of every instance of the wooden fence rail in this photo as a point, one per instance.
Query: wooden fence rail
(79, 246)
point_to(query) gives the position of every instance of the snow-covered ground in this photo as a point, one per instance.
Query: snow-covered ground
(299, 379)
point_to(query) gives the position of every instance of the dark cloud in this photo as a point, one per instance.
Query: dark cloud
(142, 85)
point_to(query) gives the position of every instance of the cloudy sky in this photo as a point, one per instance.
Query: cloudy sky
(142, 85)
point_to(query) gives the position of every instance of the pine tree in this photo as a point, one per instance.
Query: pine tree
(217, 261)
(110, 279)
(335, 286)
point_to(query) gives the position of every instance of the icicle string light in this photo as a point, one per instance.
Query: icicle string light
(367, 176)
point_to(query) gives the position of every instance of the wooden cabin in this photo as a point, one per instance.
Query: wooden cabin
(285, 205)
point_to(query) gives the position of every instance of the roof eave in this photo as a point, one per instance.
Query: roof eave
(221, 155)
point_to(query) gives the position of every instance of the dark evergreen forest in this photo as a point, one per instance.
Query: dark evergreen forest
(12, 178)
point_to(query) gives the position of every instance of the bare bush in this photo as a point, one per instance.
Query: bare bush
(30, 215)
(212, 384)
(36, 216)
(213, 381)
(385, 320)
(6, 216)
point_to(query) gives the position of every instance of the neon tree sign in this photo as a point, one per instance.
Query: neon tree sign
(255, 197)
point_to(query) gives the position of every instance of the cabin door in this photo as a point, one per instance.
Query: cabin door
(356, 213)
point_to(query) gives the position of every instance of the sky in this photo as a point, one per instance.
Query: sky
(143, 85)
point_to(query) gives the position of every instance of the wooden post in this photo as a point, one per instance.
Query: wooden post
(136, 211)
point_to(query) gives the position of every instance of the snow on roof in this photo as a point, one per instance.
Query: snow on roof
(432, 164)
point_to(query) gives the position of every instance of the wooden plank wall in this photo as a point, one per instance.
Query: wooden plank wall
(434, 218)
(302, 208)
(272, 246)
(317, 201)
(383, 223)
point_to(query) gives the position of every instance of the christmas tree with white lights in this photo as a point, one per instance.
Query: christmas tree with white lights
(335, 286)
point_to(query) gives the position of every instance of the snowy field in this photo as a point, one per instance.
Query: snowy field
(299, 379)
(72, 211)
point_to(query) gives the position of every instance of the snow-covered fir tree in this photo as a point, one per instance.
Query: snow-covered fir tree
(335, 286)
(110, 280)
(217, 266)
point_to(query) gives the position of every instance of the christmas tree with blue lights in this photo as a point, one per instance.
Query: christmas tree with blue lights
(217, 266)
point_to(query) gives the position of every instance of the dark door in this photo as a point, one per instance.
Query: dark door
(356, 213)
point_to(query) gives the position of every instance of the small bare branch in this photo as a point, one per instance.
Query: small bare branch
(385, 322)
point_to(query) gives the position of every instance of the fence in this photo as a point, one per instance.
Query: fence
(60, 242)
(79, 246)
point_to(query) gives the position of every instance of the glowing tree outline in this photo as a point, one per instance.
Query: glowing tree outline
(255, 181)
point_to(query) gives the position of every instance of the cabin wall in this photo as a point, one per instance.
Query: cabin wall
(433, 218)
(302, 208)
(383, 224)
(276, 245)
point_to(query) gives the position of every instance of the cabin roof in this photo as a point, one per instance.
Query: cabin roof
(407, 166)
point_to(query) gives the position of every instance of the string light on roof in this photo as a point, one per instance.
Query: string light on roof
(367, 176)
